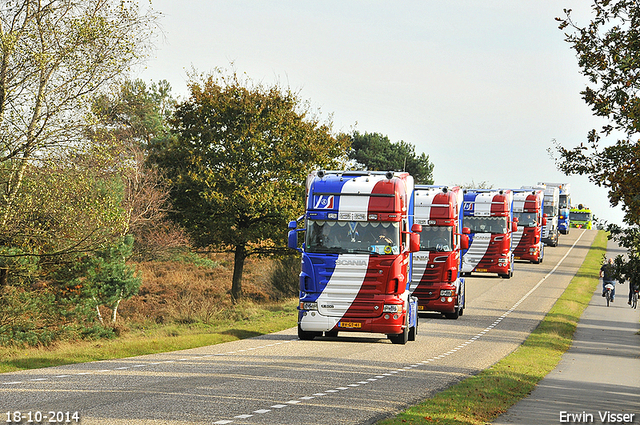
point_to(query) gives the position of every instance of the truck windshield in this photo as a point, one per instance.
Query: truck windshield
(526, 219)
(436, 238)
(579, 216)
(486, 224)
(354, 237)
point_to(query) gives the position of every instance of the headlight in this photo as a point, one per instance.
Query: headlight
(392, 308)
(446, 292)
(308, 306)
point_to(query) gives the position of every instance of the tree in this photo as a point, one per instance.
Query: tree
(54, 54)
(373, 151)
(125, 123)
(238, 163)
(608, 51)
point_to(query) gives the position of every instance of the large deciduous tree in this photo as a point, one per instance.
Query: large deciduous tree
(238, 163)
(608, 52)
(375, 152)
(54, 55)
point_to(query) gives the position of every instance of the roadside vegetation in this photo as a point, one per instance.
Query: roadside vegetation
(181, 304)
(481, 398)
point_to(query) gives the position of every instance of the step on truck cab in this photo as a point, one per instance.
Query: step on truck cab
(356, 256)
(436, 280)
(488, 215)
(527, 240)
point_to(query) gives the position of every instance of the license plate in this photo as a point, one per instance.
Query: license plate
(352, 325)
(481, 270)
(516, 258)
(420, 307)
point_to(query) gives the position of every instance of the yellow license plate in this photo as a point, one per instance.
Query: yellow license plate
(352, 325)
(420, 307)
(516, 258)
(481, 270)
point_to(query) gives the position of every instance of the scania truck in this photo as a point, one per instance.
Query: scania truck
(488, 215)
(436, 280)
(528, 209)
(356, 256)
(564, 205)
(581, 217)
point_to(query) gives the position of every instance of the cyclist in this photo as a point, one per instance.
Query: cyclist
(607, 275)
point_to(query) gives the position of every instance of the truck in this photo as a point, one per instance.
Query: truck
(359, 238)
(564, 205)
(581, 217)
(488, 215)
(436, 279)
(551, 208)
(527, 240)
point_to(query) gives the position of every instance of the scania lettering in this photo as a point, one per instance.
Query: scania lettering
(487, 213)
(356, 255)
(527, 240)
(436, 280)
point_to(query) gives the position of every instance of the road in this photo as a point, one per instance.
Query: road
(277, 379)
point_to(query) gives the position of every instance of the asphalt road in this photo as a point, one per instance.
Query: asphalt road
(277, 379)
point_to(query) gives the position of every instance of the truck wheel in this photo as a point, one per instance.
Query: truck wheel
(453, 315)
(331, 334)
(400, 338)
(306, 336)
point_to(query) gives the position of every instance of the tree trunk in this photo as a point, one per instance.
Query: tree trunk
(4, 273)
(114, 316)
(238, 266)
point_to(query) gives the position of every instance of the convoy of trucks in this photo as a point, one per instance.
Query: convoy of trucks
(378, 250)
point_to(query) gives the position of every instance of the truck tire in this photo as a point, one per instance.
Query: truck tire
(307, 335)
(332, 333)
(400, 338)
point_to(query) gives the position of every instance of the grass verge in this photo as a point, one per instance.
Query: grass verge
(481, 398)
(248, 320)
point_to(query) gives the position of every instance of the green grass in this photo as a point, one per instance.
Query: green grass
(481, 398)
(248, 320)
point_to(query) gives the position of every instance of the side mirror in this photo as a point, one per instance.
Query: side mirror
(292, 225)
(416, 228)
(414, 242)
(544, 220)
(466, 231)
(514, 225)
(293, 239)
(464, 241)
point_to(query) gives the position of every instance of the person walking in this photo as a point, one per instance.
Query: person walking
(607, 275)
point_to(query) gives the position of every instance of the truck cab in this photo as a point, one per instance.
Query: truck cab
(436, 280)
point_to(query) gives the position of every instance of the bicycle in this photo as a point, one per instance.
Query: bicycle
(608, 293)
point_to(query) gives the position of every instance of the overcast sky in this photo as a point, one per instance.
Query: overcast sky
(482, 87)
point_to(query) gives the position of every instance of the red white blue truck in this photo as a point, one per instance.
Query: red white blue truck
(356, 255)
(527, 239)
(436, 280)
(488, 215)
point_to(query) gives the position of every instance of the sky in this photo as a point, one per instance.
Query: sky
(482, 87)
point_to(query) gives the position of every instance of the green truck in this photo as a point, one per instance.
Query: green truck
(581, 217)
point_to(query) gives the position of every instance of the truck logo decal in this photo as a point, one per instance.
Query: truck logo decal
(324, 202)
(351, 262)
